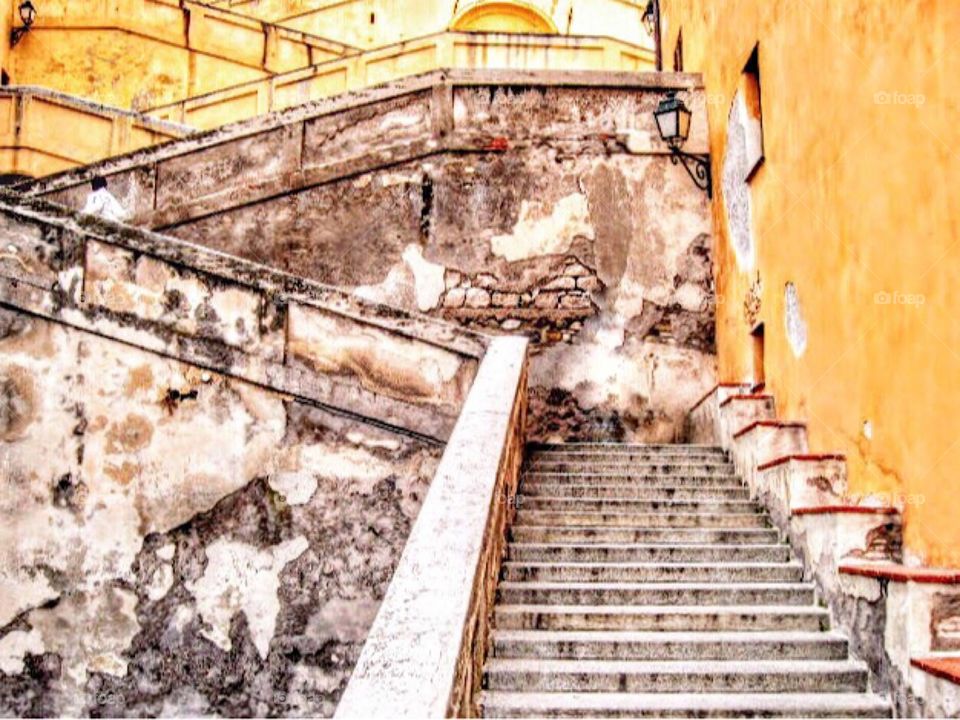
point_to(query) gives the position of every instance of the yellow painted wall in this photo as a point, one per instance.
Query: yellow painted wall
(42, 132)
(140, 53)
(349, 21)
(462, 50)
(856, 203)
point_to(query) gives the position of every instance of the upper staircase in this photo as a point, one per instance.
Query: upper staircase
(642, 581)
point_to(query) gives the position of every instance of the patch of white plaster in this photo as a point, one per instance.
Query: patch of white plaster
(14, 646)
(243, 578)
(358, 438)
(427, 277)
(793, 319)
(89, 631)
(545, 231)
(166, 552)
(160, 582)
(296, 487)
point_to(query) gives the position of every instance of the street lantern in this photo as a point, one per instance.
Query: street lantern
(649, 18)
(673, 123)
(673, 120)
(28, 13)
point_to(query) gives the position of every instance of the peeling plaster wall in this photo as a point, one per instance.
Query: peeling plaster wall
(527, 205)
(223, 552)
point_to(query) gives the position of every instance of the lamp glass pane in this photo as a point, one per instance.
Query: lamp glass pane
(683, 123)
(667, 124)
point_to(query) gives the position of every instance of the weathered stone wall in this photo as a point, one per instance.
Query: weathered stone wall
(537, 203)
(177, 541)
(208, 471)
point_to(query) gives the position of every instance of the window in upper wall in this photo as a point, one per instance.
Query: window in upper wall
(678, 53)
(753, 115)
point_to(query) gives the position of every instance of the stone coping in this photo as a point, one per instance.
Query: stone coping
(410, 663)
(903, 573)
(355, 99)
(80, 103)
(712, 390)
(811, 457)
(423, 328)
(746, 398)
(945, 668)
(767, 424)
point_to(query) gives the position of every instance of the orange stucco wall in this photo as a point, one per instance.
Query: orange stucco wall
(856, 203)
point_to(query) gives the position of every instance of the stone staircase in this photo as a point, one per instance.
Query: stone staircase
(641, 581)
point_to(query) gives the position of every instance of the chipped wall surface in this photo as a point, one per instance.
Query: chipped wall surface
(160, 553)
(540, 204)
(186, 511)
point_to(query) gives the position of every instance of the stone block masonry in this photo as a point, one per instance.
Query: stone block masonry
(507, 202)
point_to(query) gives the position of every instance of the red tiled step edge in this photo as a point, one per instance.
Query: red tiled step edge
(745, 397)
(848, 509)
(712, 390)
(947, 668)
(768, 423)
(903, 573)
(802, 458)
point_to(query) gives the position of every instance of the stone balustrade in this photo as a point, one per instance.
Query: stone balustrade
(423, 657)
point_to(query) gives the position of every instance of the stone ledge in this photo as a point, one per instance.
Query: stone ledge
(945, 668)
(712, 390)
(903, 573)
(844, 510)
(800, 458)
(767, 423)
(746, 398)
(423, 655)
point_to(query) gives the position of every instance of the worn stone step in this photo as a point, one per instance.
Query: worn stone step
(682, 705)
(627, 456)
(652, 572)
(646, 468)
(633, 491)
(527, 516)
(687, 676)
(629, 479)
(623, 447)
(614, 645)
(610, 553)
(676, 536)
(674, 618)
(644, 506)
(599, 593)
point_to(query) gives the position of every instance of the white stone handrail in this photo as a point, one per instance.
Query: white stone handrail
(424, 654)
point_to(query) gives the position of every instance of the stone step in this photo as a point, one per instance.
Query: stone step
(654, 468)
(527, 516)
(676, 536)
(682, 705)
(631, 479)
(622, 447)
(631, 455)
(686, 676)
(634, 491)
(643, 506)
(674, 618)
(613, 645)
(598, 593)
(652, 572)
(612, 553)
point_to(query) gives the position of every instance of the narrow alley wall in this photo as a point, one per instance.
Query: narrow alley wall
(843, 240)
